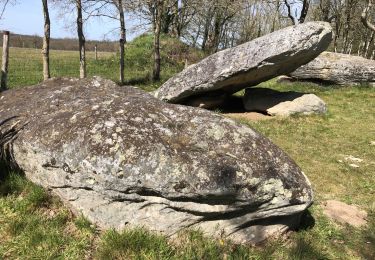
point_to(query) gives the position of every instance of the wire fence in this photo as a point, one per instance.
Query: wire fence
(26, 65)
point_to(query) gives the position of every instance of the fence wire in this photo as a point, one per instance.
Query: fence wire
(26, 66)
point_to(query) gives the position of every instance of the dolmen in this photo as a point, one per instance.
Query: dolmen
(207, 83)
(339, 69)
(126, 159)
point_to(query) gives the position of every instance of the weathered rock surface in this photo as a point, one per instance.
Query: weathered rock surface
(124, 158)
(249, 64)
(338, 68)
(276, 103)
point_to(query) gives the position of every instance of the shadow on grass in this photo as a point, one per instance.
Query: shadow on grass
(307, 221)
(14, 182)
(11, 181)
(304, 249)
(138, 80)
(367, 249)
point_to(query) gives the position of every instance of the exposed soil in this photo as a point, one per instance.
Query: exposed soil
(253, 116)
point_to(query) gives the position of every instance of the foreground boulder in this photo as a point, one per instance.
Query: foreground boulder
(124, 159)
(276, 103)
(338, 68)
(249, 64)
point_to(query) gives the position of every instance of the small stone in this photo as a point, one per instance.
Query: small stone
(276, 103)
(344, 213)
(351, 158)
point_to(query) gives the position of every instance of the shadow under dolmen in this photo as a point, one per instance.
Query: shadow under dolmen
(261, 100)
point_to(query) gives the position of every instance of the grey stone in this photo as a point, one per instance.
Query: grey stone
(285, 79)
(126, 159)
(249, 64)
(278, 103)
(338, 68)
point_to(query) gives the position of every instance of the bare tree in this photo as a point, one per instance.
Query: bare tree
(46, 40)
(113, 9)
(297, 19)
(156, 6)
(81, 41)
(289, 11)
(122, 39)
(3, 6)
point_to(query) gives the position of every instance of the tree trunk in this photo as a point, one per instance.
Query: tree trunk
(122, 40)
(359, 48)
(347, 26)
(176, 23)
(275, 16)
(304, 11)
(81, 41)
(46, 40)
(368, 43)
(364, 16)
(206, 31)
(325, 7)
(218, 27)
(5, 61)
(157, 28)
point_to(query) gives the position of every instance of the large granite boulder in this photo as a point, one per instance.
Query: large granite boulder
(276, 103)
(249, 64)
(338, 68)
(124, 159)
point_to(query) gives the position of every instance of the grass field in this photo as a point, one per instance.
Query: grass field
(26, 67)
(35, 225)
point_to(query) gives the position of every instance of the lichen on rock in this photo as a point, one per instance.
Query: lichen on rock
(124, 159)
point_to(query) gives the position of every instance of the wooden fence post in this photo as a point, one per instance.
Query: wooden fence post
(96, 52)
(5, 60)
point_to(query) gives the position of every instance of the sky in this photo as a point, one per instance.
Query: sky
(27, 18)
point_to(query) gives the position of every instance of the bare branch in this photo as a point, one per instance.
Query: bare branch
(364, 16)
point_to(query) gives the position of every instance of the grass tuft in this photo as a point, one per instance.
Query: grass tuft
(134, 244)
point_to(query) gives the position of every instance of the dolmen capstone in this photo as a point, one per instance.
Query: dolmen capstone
(277, 103)
(338, 68)
(125, 159)
(249, 64)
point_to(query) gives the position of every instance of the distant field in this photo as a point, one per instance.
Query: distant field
(26, 66)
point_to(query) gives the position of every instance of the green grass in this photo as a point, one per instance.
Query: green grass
(35, 225)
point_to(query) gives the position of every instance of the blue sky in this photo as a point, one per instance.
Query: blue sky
(27, 18)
